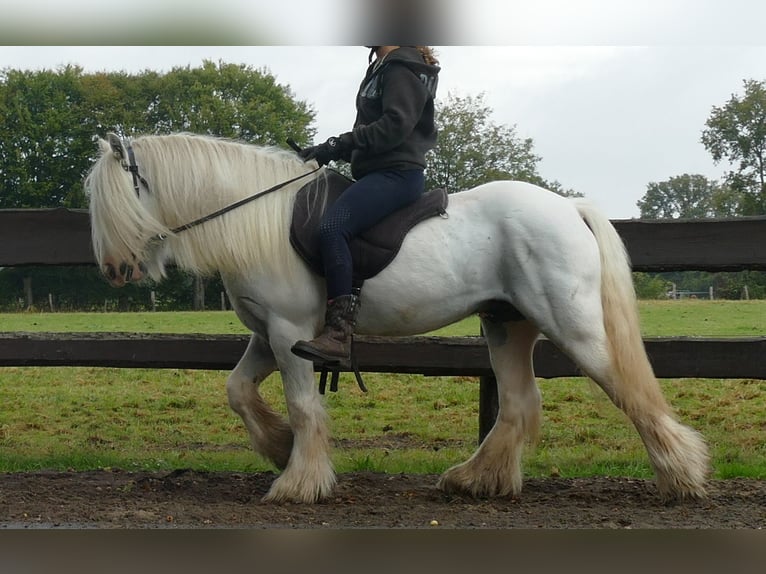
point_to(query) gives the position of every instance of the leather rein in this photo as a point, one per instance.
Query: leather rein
(139, 180)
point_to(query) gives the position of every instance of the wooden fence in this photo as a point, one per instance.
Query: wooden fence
(62, 237)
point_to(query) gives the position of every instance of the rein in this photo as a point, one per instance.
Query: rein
(239, 203)
(132, 167)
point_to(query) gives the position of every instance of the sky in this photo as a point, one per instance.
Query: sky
(614, 94)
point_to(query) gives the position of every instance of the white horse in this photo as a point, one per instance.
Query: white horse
(558, 261)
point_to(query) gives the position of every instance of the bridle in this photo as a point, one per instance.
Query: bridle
(139, 180)
(132, 167)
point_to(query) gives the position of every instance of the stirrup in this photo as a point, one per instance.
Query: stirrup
(335, 367)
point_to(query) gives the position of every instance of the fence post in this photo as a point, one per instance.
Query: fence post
(488, 405)
(28, 292)
(488, 402)
(199, 293)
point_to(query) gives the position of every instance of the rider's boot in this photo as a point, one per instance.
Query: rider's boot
(333, 345)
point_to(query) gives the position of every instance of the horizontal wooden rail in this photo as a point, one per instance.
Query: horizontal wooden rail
(45, 237)
(674, 357)
(62, 237)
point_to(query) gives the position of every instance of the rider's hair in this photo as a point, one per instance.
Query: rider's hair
(428, 55)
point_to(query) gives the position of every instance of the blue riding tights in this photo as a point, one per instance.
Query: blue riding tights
(361, 206)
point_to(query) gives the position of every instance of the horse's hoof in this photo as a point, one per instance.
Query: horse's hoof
(299, 492)
(459, 480)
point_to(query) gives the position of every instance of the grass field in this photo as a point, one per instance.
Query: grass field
(83, 418)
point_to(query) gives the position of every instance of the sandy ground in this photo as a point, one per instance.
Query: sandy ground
(200, 500)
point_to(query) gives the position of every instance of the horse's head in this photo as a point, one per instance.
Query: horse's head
(124, 227)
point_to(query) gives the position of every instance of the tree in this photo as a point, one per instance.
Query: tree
(736, 132)
(650, 286)
(48, 119)
(42, 139)
(471, 149)
(683, 196)
(227, 100)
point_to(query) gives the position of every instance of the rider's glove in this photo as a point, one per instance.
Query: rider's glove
(334, 148)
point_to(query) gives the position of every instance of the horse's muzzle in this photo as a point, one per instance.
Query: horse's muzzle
(123, 273)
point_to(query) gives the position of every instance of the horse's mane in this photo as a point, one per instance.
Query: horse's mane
(191, 176)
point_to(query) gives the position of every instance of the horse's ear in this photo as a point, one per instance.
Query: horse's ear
(103, 145)
(116, 144)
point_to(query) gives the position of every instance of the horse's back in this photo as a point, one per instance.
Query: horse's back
(500, 221)
(518, 196)
(517, 211)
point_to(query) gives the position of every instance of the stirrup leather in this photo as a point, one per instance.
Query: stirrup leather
(335, 368)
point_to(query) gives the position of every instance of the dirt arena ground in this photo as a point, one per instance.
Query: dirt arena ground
(199, 500)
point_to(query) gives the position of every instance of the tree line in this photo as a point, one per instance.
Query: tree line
(48, 120)
(735, 134)
(47, 123)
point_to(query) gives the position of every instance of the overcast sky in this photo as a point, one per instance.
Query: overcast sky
(610, 107)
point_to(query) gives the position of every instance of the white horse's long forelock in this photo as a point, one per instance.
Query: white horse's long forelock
(121, 228)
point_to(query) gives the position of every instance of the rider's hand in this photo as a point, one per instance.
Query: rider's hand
(333, 149)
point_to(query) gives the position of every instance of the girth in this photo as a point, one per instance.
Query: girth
(374, 249)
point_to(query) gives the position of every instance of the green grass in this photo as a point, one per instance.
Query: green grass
(702, 318)
(221, 322)
(85, 418)
(659, 319)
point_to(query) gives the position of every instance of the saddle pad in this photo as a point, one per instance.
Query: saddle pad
(374, 249)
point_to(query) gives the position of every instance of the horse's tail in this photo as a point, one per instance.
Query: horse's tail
(618, 301)
(679, 454)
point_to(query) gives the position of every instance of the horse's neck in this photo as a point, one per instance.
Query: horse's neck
(252, 237)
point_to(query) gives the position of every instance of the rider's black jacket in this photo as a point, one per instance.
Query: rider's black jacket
(394, 125)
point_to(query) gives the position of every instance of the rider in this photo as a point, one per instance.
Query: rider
(394, 129)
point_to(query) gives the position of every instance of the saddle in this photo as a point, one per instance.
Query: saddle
(371, 251)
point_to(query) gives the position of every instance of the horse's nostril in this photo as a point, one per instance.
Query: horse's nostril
(109, 271)
(123, 268)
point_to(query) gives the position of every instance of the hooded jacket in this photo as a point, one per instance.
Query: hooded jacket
(394, 125)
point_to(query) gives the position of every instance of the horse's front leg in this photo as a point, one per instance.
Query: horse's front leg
(270, 435)
(309, 475)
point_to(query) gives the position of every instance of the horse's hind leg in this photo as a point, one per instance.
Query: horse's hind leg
(495, 468)
(612, 353)
(270, 435)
